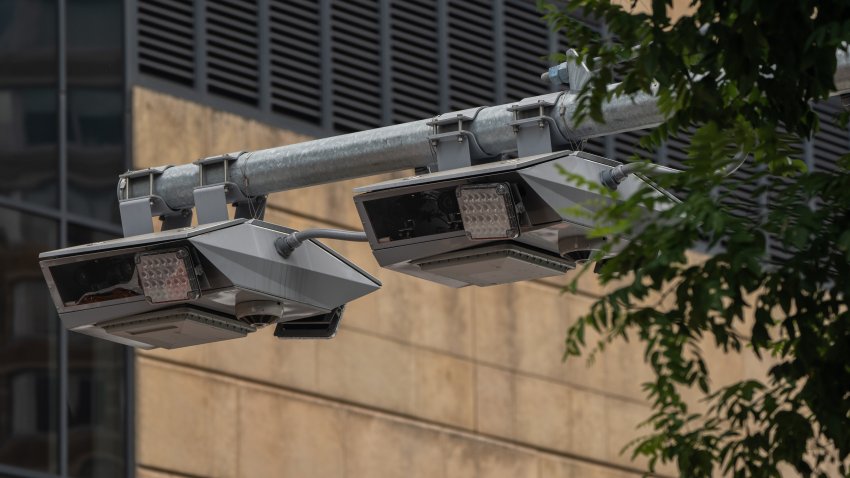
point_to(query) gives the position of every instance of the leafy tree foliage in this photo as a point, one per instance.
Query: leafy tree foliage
(739, 76)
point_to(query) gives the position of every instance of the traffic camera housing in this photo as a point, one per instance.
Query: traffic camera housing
(492, 223)
(201, 284)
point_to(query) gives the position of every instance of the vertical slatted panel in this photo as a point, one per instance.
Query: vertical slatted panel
(832, 141)
(356, 57)
(416, 79)
(471, 62)
(677, 151)
(676, 156)
(296, 59)
(233, 57)
(563, 36)
(627, 146)
(526, 50)
(777, 251)
(165, 39)
(742, 199)
(594, 146)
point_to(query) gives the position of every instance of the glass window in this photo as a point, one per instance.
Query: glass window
(95, 151)
(29, 153)
(28, 98)
(28, 345)
(95, 106)
(28, 42)
(95, 42)
(28, 145)
(97, 404)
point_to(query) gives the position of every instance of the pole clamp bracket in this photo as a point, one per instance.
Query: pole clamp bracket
(215, 191)
(535, 130)
(138, 203)
(454, 146)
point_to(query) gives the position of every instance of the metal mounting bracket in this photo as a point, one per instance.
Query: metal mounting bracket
(455, 148)
(572, 73)
(534, 129)
(215, 191)
(137, 204)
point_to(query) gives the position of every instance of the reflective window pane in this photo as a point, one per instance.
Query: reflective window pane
(28, 42)
(28, 145)
(95, 151)
(95, 106)
(97, 404)
(28, 99)
(28, 345)
(95, 42)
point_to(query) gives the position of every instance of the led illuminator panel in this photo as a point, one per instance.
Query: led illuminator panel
(167, 276)
(488, 211)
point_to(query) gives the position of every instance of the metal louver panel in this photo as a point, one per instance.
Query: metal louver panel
(777, 251)
(415, 77)
(233, 57)
(628, 145)
(296, 59)
(677, 151)
(746, 198)
(471, 63)
(166, 39)
(526, 50)
(356, 57)
(594, 146)
(828, 146)
(743, 199)
(832, 141)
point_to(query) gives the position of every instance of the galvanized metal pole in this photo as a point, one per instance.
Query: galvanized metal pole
(407, 146)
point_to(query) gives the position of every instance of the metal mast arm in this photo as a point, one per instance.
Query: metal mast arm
(491, 130)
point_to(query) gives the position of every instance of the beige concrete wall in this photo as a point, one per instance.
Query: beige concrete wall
(678, 9)
(421, 380)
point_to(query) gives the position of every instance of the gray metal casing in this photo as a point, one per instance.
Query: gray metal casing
(239, 263)
(550, 226)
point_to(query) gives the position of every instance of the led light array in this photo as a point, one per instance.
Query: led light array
(164, 276)
(488, 211)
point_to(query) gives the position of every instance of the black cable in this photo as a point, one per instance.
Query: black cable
(284, 245)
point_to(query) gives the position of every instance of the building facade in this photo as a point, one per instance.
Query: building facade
(421, 380)
(64, 398)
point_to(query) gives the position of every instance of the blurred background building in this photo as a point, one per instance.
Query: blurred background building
(421, 380)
